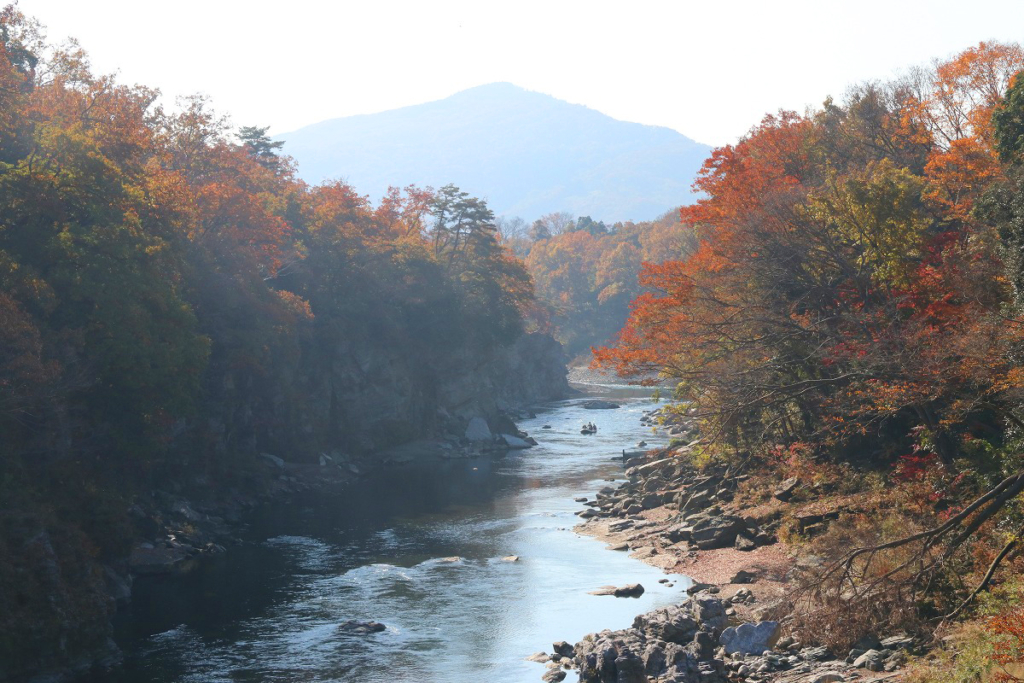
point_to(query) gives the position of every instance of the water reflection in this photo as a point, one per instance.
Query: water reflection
(420, 549)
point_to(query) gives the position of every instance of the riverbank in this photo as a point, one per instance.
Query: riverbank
(740, 537)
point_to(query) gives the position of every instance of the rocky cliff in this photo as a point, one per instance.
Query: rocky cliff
(62, 576)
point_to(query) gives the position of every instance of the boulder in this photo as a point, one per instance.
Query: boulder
(600, 405)
(743, 576)
(678, 533)
(361, 628)
(749, 638)
(744, 542)
(872, 660)
(651, 501)
(671, 624)
(816, 654)
(477, 430)
(709, 611)
(786, 489)
(515, 442)
(902, 642)
(695, 501)
(563, 649)
(553, 676)
(630, 590)
(715, 532)
(703, 646)
(828, 677)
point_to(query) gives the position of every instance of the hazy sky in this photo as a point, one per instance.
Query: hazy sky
(707, 69)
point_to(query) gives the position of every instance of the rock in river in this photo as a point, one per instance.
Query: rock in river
(361, 627)
(597, 404)
(515, 441)
(630, 590)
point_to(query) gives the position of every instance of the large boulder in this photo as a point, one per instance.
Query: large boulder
(477, 430)
(515, 442)
(715, 532)
(651, 501)
(872, 660)
(630, 590)
(698, 500)
(678, 533)
(750, 638)
(671, 624)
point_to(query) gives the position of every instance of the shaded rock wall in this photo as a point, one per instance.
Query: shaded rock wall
(359, 396)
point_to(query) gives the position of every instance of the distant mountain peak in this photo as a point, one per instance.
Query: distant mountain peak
(526, 152)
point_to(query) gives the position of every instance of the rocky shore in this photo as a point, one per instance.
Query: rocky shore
(175, 532)
(735, 622)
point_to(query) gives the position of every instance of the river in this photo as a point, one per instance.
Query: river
(383, 550)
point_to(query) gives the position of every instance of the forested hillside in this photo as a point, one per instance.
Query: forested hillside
(586, 271)
(175, 301)
(851, 316)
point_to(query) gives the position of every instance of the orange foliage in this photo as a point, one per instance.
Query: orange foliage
(1008, 628)
(832, 290)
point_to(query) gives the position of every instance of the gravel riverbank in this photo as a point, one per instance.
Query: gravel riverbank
(734, 624)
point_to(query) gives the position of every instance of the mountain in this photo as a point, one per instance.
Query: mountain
(526, 153)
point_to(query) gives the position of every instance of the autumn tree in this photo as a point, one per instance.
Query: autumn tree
(847, 286)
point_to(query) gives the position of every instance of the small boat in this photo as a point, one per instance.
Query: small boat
(588, 429)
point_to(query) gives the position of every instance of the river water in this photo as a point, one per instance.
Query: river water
(384, 550)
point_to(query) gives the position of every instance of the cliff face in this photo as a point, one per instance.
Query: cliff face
(358, 397)
(531, 370)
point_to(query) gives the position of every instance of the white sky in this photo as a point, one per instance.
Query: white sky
(708, 69)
